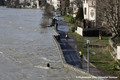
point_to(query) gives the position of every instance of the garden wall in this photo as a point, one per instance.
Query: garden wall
(118, 52)
(79, 31)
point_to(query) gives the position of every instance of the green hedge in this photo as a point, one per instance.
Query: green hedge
(117, 40)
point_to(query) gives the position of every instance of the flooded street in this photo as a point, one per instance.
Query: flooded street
(26, 48)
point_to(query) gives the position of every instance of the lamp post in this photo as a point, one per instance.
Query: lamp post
(88, 64)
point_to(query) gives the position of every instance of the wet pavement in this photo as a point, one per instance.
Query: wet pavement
(26, 48)
(68, 45)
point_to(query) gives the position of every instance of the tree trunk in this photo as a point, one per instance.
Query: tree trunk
(100, 35)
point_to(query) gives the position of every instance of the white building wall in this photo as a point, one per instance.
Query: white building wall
(85, 6)
(31, 4)
(72, 0)
(21, 1)
(75, 10)
(55, 3)
(37, 2)
(79, 31)
(49, 2)
(118, 52)
(90, 9)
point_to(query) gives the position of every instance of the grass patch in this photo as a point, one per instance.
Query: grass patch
(119, 61)
(69, 20)
(99, 56)
(99, 51)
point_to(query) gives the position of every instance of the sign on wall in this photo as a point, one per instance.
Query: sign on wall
(92, 14)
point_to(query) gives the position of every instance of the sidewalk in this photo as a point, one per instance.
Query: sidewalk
(69, 48)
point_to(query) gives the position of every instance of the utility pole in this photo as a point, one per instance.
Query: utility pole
(88, 65)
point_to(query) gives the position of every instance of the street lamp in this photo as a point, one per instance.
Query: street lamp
(88, 64)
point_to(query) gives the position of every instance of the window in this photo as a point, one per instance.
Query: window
(74, 9)
(85, 11)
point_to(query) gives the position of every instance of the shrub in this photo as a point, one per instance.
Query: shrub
(71, 20)
(73, 29)
(79, 15)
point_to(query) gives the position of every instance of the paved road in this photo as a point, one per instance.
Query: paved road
(69, 52)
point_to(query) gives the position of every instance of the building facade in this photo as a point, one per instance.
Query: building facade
(49, 2)
(74, 8)
(89, 8)
(55, 3)
(71, 3)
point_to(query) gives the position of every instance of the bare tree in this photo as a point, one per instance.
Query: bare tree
(48, 12)
(45, 23)
(78, 3)
(47, 15)
(64, 6)
(108, 15)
